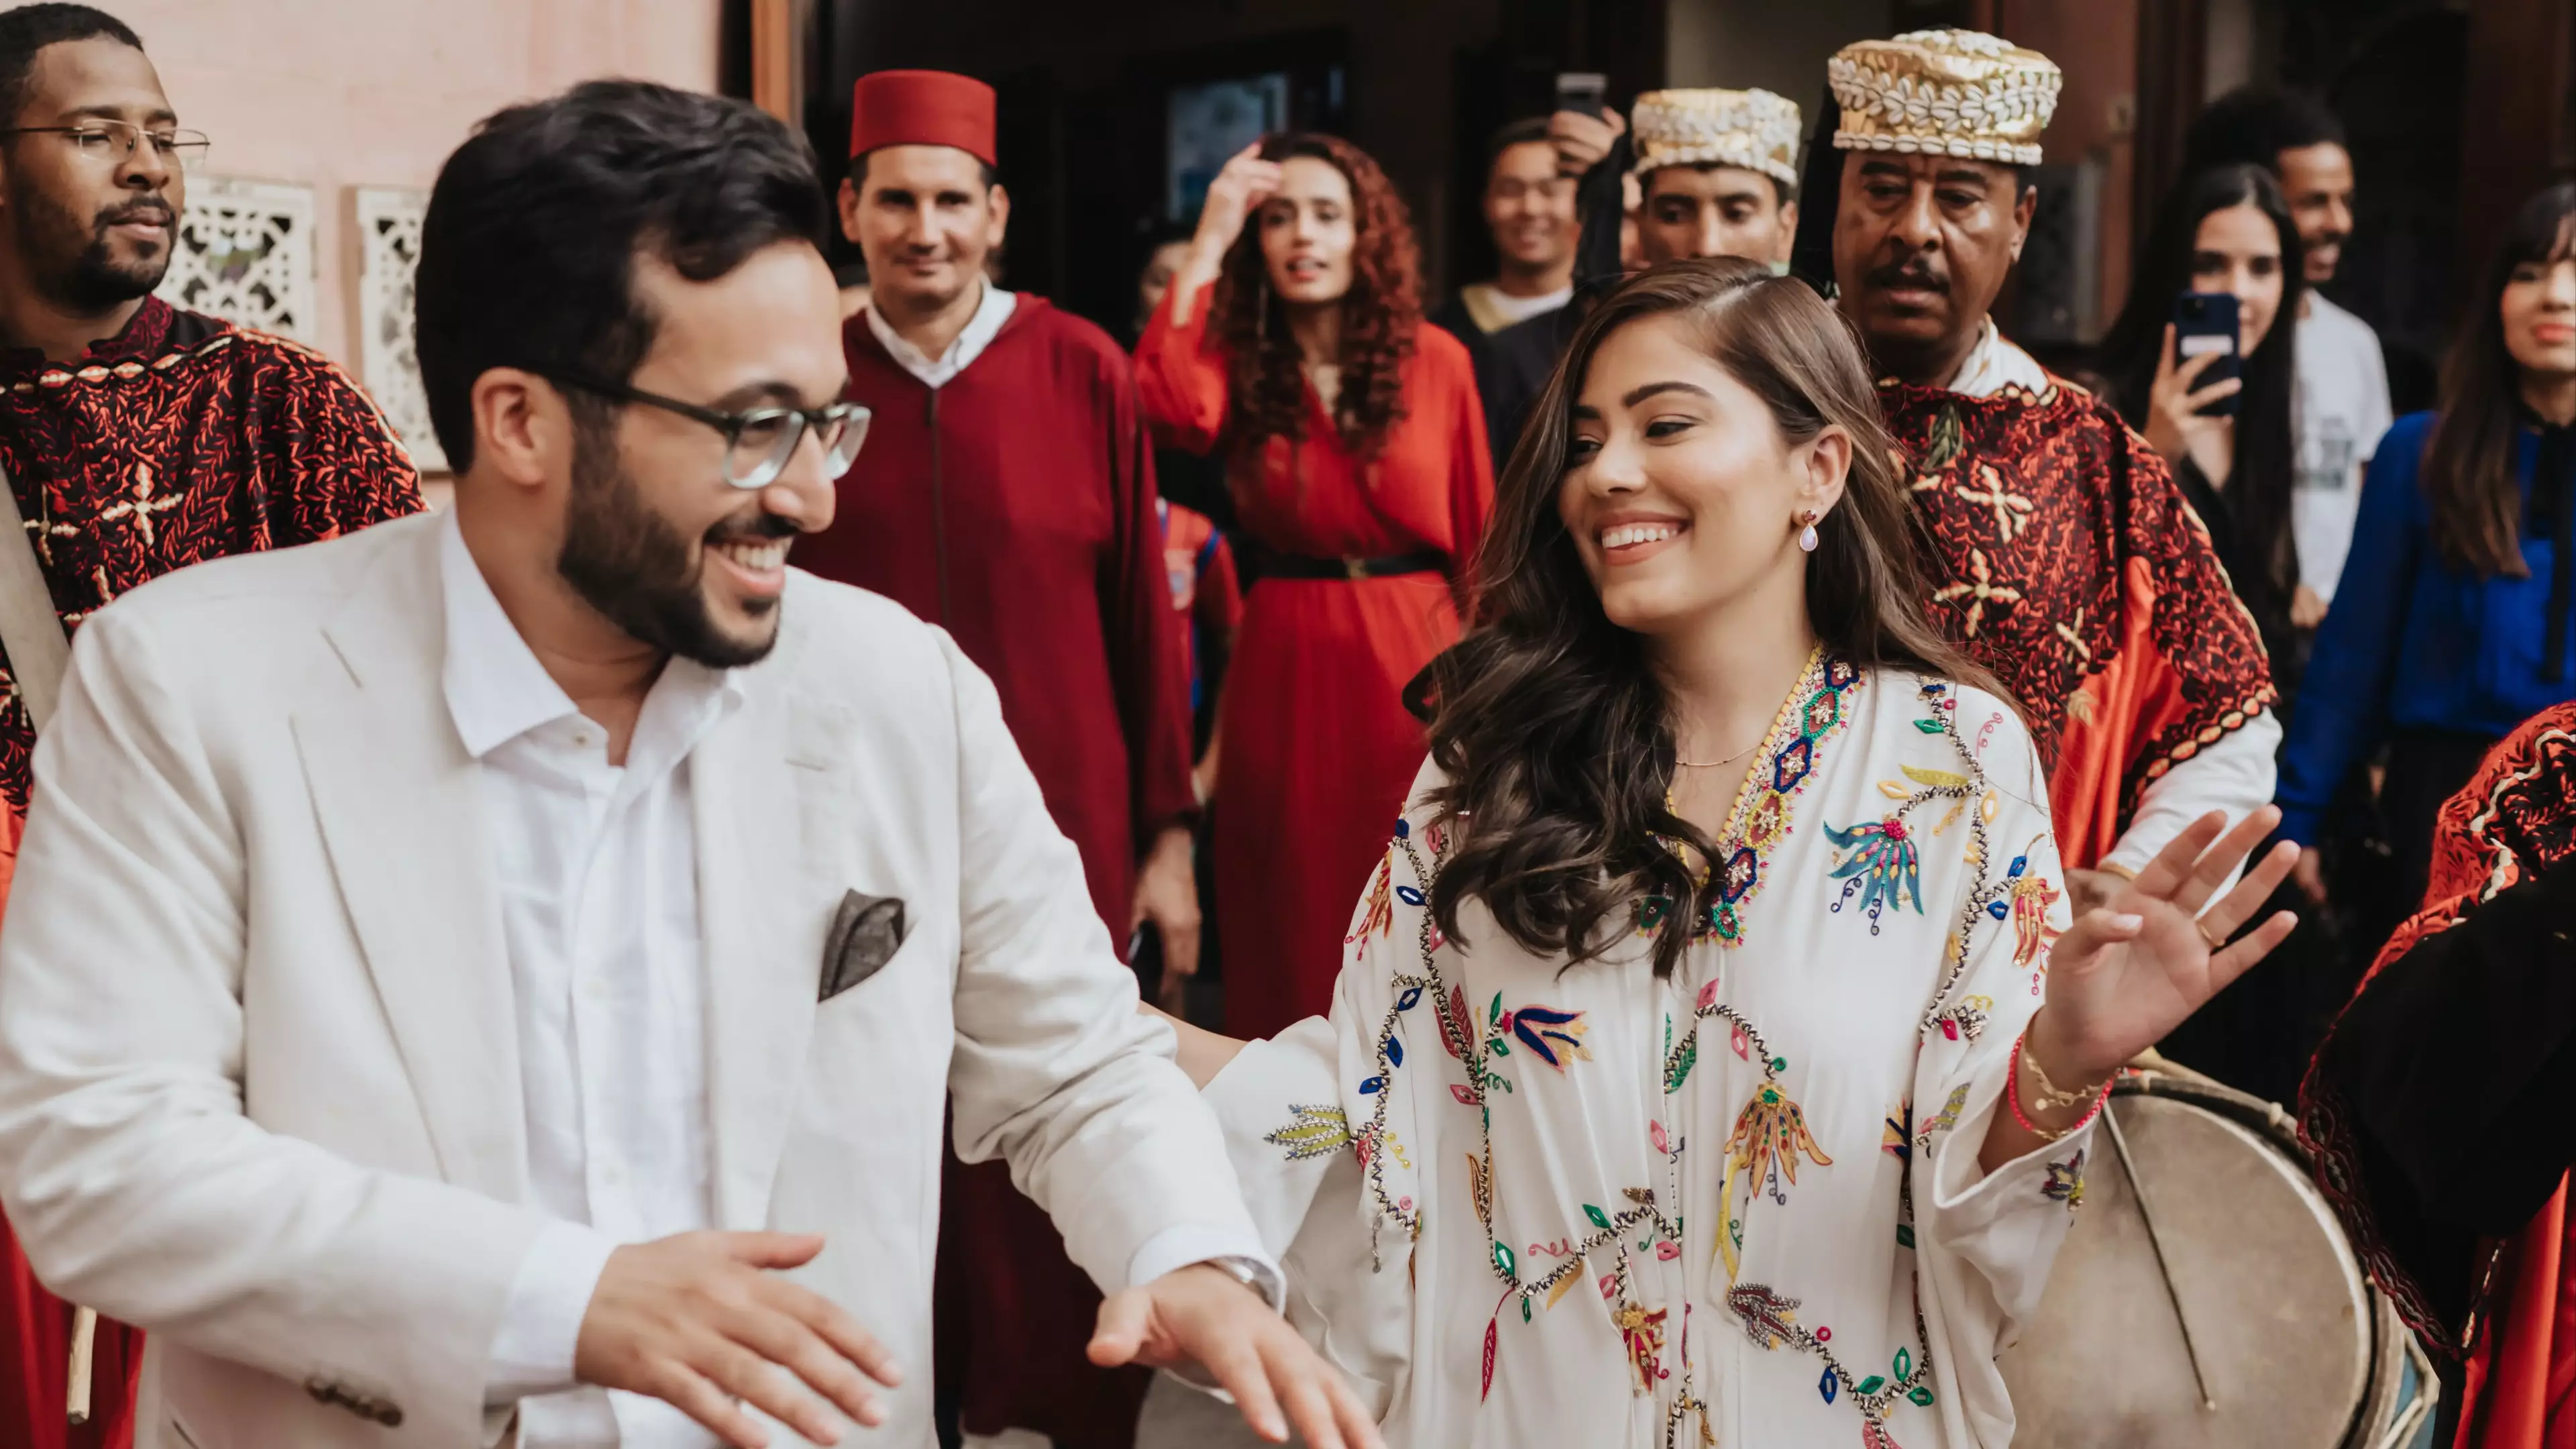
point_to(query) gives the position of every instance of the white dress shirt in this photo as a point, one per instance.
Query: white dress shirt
(2235, 774)
(990, 313)
(597, 865)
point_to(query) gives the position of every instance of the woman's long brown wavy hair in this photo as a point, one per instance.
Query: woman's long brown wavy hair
(1554, 732)
(2471, 481)
(1380, 313)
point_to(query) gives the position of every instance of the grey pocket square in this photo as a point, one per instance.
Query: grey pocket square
(866, 932)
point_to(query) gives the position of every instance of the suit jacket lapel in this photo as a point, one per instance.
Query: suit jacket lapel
(397, 797)
(763, 958)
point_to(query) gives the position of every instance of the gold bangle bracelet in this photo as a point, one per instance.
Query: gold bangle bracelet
(2049, 1097)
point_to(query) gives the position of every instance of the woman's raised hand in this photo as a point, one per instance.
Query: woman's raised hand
(2174, 424)
(1237, 191)
(2130, 970)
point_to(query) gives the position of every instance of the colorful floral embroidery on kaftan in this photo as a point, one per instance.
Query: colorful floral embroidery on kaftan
(1877, 960)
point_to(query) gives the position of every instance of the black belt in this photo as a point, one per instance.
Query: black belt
(1297, 566)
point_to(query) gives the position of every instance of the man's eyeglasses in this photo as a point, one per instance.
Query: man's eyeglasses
(115, 141)
(760, 441)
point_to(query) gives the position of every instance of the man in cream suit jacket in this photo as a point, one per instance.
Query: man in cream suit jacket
(453, 968)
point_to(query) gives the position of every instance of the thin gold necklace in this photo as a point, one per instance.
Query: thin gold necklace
(1729, 760)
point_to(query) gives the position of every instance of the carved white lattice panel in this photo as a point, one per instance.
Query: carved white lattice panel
(245, 254)
(389, 220)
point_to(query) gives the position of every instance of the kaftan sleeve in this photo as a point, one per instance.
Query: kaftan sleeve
(1148, 663)
(1180, 379)
(1309, 1116)
(2234, 775)
(1986, 1240)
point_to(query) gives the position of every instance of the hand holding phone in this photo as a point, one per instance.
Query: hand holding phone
(1582, 128)
(2188, 415)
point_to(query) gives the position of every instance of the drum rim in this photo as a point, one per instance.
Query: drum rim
(2267, 1119)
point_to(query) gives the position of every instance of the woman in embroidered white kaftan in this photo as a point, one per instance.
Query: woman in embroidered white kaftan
(1599, 1146)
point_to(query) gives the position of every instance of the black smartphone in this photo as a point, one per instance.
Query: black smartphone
(1581, 90)
(2205, 322)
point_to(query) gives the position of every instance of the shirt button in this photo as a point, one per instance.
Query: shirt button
(581, 738)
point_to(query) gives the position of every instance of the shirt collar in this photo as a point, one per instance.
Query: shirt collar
(991, 311)
(1995, 364)
(497, 691)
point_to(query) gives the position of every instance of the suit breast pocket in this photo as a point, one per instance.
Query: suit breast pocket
(878, 1067)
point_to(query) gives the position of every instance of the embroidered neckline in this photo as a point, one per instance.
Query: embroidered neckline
(1813, 711)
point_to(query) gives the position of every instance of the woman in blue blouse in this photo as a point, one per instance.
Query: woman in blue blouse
(2452, 626)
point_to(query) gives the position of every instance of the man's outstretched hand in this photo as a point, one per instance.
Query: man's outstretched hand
(1201, 1315)
(702, 1320)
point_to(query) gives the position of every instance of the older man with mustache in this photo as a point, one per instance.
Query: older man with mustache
(136, 437)
(2062, 556)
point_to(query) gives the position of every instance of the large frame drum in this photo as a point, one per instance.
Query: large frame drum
(2210, 1301)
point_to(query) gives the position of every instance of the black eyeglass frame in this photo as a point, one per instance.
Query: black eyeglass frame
(809, 421)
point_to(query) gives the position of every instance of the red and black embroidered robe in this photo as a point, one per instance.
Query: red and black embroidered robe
(2064, 560)
(2438, 1106)
(181, 439)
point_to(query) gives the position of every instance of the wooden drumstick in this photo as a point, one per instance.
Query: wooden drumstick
(84, 1349)
(2138, 1190)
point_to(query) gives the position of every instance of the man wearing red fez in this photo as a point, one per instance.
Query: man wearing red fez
(1007, 495)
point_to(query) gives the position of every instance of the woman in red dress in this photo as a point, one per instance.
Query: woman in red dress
(1355, 450)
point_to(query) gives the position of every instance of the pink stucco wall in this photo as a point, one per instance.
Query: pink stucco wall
(337, 94)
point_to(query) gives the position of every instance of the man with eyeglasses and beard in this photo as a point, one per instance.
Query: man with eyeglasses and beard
(2061, 555)
(137, 438)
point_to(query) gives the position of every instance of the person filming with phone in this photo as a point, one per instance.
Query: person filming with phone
(2196, 365)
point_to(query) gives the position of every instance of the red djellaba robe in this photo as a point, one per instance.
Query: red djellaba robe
(1014, 507)
(2064, 560)
(181, 439)
(1318, 749)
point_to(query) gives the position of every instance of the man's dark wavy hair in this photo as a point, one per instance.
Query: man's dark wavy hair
(1550, 725)
(527, 257)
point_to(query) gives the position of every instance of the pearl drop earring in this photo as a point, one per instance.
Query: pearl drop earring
(1807, 535)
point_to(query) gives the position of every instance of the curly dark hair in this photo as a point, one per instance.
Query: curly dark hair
(1380, 313)
(1553, 731)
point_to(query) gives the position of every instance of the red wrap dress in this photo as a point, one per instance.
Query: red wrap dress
(1318, 750)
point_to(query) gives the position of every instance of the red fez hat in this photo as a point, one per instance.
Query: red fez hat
(922, 108)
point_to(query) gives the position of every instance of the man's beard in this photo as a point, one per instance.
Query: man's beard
(633, 567)
(72, 265)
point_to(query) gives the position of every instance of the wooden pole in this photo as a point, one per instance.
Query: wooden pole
(778, 59)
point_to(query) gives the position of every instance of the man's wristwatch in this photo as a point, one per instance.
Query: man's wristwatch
(1246, 1272)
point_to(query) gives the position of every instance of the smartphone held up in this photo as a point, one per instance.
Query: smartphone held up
(2205, 324)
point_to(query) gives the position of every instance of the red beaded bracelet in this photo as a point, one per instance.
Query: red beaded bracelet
(2012, 1099)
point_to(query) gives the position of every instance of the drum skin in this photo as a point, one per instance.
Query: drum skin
(2285, 1325)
